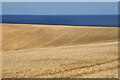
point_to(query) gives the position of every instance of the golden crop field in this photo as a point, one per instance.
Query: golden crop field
(52, 51)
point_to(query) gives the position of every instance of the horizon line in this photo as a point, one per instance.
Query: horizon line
(60, 1)
(59, 14)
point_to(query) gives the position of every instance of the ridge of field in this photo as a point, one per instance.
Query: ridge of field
(22, 36)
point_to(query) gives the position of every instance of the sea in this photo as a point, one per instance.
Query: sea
(70, 20)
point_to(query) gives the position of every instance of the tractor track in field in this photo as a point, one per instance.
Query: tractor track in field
(92, 71)
(76, 68)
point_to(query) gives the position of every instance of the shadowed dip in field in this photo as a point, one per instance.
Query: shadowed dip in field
(52, 51)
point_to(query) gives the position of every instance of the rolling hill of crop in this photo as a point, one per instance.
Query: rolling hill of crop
(53, 51)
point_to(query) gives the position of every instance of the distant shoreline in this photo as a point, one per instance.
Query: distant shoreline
(62, 25)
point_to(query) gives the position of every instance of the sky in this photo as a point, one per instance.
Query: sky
(60, 0)
(60, 8)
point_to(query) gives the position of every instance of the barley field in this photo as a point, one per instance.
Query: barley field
(53, 51)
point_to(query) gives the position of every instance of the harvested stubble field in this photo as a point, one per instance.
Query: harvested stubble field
(51, 51)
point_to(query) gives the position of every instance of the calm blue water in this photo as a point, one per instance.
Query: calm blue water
(75, 20)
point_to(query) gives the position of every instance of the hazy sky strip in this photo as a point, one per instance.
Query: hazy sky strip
(60, 8)
(60, 0)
